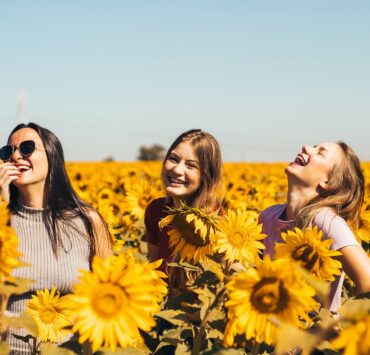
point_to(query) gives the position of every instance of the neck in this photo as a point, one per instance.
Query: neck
(298, 196)
(32, 196)
(176, 202)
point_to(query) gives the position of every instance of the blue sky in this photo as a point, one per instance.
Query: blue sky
(264, 77)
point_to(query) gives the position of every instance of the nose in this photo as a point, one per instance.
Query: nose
(178, 169)
(306, 149)
(16, 154)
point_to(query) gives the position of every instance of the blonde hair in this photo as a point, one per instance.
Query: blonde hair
(344, 194)
(208, 152)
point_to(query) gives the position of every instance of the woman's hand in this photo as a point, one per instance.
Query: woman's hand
(8, 173)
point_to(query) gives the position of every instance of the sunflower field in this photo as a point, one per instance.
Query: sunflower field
(234, 302)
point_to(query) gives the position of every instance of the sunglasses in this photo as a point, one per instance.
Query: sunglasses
(26, 148)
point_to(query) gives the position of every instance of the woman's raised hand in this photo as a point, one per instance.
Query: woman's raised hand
(8, 173)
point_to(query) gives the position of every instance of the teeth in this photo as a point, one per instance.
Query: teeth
(176, 181)
(23, 167)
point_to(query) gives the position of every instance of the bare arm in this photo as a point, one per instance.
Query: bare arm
(356, 264)
(102, 237)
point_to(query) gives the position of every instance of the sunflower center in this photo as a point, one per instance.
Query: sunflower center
(189, 233)
(109, 300)
(144, 201)
(237, 238)
(48, 314)
(307, 255)
(269, 295)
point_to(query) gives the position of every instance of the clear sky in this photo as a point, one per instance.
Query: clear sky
(264, 77)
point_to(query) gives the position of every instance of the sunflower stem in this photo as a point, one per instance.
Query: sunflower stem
(197, 343)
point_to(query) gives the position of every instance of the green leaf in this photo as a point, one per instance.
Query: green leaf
(215, 334)
(4, 348)
(290, 338)
(182, 349)
(216, 315)
(175, 317)
(185, 266)
(206, 297)
(229, 351)
(127, 351)
(354, 309)
(19, 286)
(49, 348)
(172, 336)
(25, 320)
(322, 288)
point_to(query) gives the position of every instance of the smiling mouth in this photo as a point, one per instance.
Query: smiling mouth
(300, 160)
(175, 181)
(23, 168)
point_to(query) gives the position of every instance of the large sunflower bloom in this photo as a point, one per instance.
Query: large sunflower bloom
(238, 237)
(355, 339)
(311, 252)
(51, 314)
(113, 301)
(257, 294)
(192, 233)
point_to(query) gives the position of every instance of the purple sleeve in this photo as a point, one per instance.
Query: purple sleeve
(336, 228)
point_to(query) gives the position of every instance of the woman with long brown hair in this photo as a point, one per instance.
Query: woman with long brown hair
(325, 189)
(191, 174)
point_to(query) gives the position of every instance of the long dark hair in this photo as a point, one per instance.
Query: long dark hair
(61, 201)
(208, 152)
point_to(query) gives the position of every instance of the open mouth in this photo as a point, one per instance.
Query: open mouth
(300, 160)
(23, 168)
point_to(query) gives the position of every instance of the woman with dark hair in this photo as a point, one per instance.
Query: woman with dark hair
(325, 189)
(58, 233)
(191, 174)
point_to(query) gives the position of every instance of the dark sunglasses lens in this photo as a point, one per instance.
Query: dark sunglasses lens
(27, 147)
(6, 152)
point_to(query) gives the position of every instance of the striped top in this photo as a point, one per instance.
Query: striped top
(46, 269)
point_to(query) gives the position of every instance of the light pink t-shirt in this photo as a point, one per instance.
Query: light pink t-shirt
(332, 226)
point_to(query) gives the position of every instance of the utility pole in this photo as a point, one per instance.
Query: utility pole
(21, 106)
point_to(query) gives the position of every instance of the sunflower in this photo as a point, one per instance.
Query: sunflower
(355, 339)
(113, 301)
(311, 252)
(51, 314)
(138, 197)
(257, 294)
(192, 233)
(238, 237)
(362, 232)
(9, 255)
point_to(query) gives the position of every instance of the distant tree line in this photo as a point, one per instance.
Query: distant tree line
(153, 152)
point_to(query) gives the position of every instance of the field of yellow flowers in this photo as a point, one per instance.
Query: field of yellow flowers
(237, 303)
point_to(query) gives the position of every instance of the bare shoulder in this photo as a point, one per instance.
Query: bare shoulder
(102, 237)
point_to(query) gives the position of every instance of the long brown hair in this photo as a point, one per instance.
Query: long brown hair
(344, 194)
(208, 152)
